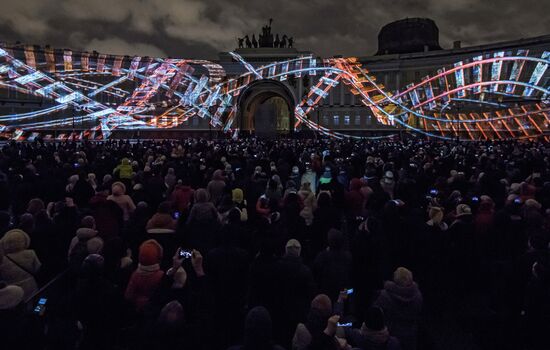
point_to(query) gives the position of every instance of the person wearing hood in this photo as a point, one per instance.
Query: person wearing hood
(373, 334)
(355, 199)
(401, 301)
(312, 330)
(309, 201)
(203, 223)
(85, 242)
(182, 196)
(148, 276)
(295, 175)
(162, 221)
(216, 186)
(257, 331)
(18, 263)
(237, 196)
(18, 331)
(124, 170)
(388, 183)
(295, 287)
(124, 201)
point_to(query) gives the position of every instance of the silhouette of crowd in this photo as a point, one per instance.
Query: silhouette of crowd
(274, 244)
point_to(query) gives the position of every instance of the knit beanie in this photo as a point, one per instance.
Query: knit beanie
(322, 302)
(150, 253)
(403, 277)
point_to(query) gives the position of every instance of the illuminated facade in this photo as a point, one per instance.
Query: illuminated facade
(497, 91)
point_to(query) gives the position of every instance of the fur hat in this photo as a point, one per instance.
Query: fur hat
(10, 296)
(150, 253)
(14, 241)
(403, 277)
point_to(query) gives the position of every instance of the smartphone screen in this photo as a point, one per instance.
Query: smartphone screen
(349, 291)
(40, 306)
(185, 254)
(349, 324)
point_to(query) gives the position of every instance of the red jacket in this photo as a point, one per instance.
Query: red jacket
(143, 283)
(181, 197)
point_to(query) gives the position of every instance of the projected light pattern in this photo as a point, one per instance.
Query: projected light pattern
(148, 93)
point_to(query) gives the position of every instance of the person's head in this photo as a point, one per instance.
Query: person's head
(88, 222)
(201, 196)
(92, 266)
(118, 188)
(15, 241)
(436, 215)
(403, 277)
(293, 248)
(237, 195)
(258, 329)
(324, 200)
(171, 315)
(150, 253)
(35, 205)
(463, 211)
(26, 222)
(11, 296)
(335, 239)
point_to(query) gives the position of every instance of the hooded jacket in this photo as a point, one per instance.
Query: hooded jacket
(124, 201)
(257, 331)
(402, 307)
(88, 236)
(15, 244)
(124, 169)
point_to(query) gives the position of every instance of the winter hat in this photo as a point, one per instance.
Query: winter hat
(118, 188)
(14, 241)
(295, 170)
(237, 195)
(322, 302)
(403, 277)
(107, 178)
(88, 221)
(293, 248)
(258, 170)
(374, 319)
(10, 296)
(150, 252)
(94, 245)
(463, 210)
(515, 187)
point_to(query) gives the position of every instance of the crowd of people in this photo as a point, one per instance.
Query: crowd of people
(272, 244)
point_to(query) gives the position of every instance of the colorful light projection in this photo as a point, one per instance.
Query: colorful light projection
(149, 93)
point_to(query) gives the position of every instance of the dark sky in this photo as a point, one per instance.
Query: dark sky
(200, 29)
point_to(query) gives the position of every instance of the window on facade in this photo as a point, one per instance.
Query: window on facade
(347, 99)
(369, 120)
(196, 121)
(336, 120)
(346, 120)
(357, 120)
(325, 120)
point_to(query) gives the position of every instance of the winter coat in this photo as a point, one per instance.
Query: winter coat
(181, 197)
(257, 331)
(367, 339)
(124, 201)
(143, 284)
(402, 307)
(15, 244)
(161, 223)
(124, 169)
(332, 271)
(216, 186)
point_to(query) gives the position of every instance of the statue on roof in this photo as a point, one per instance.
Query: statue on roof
(248, 42)
(241, 42)
(266, 38)
(283, 41)
(277, 41)
(254, 41)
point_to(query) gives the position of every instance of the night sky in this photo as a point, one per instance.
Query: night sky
(200, 29)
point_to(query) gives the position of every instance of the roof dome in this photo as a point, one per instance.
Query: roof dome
(408, 35)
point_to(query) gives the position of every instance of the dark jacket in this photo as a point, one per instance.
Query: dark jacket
(402, 307)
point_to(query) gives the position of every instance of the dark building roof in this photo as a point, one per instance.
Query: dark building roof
(408, 35)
